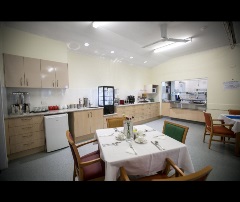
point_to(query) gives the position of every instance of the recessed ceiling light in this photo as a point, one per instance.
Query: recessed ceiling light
(112, 51)
(86, 44)
(145, 61)
(98, 24)
(131, 57)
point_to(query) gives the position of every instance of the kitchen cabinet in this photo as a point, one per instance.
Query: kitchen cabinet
(187, 114)
(150, 88)
(141, 112)
(84, 123)
(22, 71)
(54, 74)
(165, 109)
(24, 134)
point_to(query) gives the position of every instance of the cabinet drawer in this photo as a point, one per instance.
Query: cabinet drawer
(23, 138)
(26, 129)
(25, 121)
(27, 145)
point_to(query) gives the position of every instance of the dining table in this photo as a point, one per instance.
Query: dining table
(235, 120)
(140, 158)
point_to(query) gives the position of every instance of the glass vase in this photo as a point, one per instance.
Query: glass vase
(128, 130)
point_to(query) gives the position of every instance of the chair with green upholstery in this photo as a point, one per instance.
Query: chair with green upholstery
(175, 131)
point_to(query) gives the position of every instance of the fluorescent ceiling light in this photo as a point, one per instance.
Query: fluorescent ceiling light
(171, 45)
(97, 24)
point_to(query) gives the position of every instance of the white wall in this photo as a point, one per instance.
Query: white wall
(217, 65)
(29, 45)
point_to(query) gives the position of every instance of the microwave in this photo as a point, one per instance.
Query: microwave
(154, 90)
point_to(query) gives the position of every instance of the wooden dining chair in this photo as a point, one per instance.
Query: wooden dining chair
(234, 112)
(86, 167)
(217, 127)
(175, 131)
(178, 175)
(113, 122)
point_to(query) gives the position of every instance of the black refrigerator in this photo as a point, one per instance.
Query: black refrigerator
(106, 99)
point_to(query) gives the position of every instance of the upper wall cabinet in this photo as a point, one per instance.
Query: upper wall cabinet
(54, 74)
(150, 88)
(22, 71)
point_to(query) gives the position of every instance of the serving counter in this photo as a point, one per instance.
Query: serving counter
(184, 110)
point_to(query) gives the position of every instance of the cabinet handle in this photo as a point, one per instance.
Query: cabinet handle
(21, 83)
(57, 83)
(26, 127)
(91, 114)
(27, 82)
(88, 115)
(53, 83)
(27, 135)
(26, 119)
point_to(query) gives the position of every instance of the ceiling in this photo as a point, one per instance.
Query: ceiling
(127, 38)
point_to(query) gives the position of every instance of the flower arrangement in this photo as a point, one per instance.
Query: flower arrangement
(128, 117)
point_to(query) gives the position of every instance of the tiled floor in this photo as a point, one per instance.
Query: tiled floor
(58, 165)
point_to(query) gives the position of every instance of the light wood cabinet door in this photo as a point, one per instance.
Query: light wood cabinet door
(96, 120)
(25, 133)
(14, 71)
(165, 109)
(47, 74)
(61, 75)
(81, 124)
(32, 71)
(54, 74)
(22, 71)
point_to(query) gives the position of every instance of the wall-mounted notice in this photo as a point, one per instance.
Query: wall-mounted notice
(231, 85)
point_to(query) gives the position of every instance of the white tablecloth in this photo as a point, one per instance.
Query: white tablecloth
(235, 122)
(149, 158)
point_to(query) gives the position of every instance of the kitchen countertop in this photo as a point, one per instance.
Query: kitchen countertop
(137, 103)
(50, 112)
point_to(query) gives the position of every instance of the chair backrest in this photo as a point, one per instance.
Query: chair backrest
(208, 120)
(234, 111)
(74, 150)
(200, 175)
(114, 122)
(175, 131)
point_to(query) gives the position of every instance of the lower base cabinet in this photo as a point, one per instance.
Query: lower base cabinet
(187, 114)
(24, 134)
(85, 123)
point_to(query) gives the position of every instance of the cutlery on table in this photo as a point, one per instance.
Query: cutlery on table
(149, 130)
(114, 143)
(156, 143)
(130, 144)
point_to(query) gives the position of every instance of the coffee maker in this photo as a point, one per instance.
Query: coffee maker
(22, 104)
(131, 99)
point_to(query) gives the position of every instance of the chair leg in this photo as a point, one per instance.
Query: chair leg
(74, 174)
(204, 135)
(210, 141)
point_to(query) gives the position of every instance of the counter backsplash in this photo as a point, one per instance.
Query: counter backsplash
(51, 97)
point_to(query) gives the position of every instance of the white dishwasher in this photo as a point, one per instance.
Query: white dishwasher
(55, 131)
